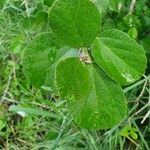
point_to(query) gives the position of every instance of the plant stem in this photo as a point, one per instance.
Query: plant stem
(132, 6)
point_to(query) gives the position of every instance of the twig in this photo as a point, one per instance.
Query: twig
(148, 113)
(138, 99)
(145, 117)
(136, 84)
(142, 92)
(132, 6)
(7, 86)
(10, 77)
(25, 2)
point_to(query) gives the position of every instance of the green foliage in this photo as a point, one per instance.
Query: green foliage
(24, 111)
(62, 54)
(76, 23)
(38, 56)
(37, 118)
(113, 52)
(133, 33)
(93, 96)
(72, 78)
(103, 107)
(129, 131)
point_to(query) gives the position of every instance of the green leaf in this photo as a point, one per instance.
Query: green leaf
(134, 135)
(133, 33)
(119, 56)
(38, 57)
(32, 111)
(126, 131)
(75, 23)
(16, 43)
(44, 74)
(72, 79)
(62, 54)
(103, 107)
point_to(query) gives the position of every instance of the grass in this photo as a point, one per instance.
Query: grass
(46, 124)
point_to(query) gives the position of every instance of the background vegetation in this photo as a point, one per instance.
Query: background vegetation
(34, 119)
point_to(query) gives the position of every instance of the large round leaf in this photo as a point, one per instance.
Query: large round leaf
(72, 79)
(75, 22)
(40, 60)
(103, 107)
(39, 55)
(119, 56)
(94, 99)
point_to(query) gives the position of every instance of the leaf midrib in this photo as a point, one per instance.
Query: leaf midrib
(126, 64)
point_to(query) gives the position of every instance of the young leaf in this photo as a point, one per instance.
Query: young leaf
(134, 135)
(103, 107)
(133, 33)
(118, 55)
(38, 57)
(72, 79)
(75, 23)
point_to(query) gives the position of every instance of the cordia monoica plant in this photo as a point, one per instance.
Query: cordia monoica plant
(83, 65)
